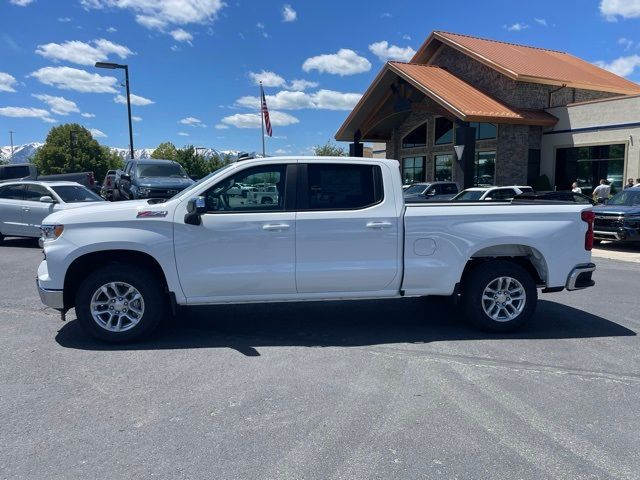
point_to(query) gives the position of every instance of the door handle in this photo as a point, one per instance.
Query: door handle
(26, 209)
(275, 227)
(378, 225)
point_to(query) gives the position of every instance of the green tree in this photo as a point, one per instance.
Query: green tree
(72, 148)
(166, 151)
(196, 165)
(329, 150)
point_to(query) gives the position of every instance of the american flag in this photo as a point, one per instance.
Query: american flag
(265, 113)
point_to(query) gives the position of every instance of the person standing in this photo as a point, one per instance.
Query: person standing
(575, 188)
(602, 191)
(629, 183)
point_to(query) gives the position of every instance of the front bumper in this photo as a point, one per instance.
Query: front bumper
(620, 234)
(51, 298)
(580, 277)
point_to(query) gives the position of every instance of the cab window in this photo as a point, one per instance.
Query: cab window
(34, 192)
(258, 189)
(12, 192)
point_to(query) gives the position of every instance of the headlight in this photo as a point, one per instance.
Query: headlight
(51, 232)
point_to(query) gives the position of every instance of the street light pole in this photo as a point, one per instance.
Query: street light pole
(113, 66)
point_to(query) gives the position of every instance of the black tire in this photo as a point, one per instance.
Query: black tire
(115, 195)
(155, 302)
(484, 276)
(266, 201)
(1, 237)
(597, 242)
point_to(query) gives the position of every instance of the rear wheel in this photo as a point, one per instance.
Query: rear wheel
(499, 296)
(115, 195)
(597, 242)
(119, 304)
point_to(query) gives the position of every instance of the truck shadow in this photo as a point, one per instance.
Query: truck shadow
(342, 324)
(20, 242)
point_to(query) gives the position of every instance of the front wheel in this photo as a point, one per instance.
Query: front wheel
(120, 304)
(499, 296)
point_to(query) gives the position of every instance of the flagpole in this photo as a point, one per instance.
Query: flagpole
(262, 119)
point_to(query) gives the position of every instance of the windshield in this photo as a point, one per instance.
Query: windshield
(626, 197)
(469, 195)
(413, 189)
(199, 182)
(76, 194)
(172, 170)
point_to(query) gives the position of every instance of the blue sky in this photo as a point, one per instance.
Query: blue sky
(194, 63)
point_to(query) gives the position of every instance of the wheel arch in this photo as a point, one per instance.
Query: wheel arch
(528, 257)
(89, 262)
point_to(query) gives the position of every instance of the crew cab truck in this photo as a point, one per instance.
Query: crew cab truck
(338, 230)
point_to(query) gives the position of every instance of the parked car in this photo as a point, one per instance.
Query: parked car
(477, 194)
(29, 171)
(267, 194)
(106, 191)
(619, 218)
(24, 204)
(431, 191)
(150, 179)
(340, 231)
(553, 196)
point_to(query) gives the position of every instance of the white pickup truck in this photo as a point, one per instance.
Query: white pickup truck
(339, 230)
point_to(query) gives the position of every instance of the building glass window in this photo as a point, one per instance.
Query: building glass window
(443, 167)
(413, 170)
(417, 137)
(587, 165)
(443, 131)
(485, 169)
(484, 131)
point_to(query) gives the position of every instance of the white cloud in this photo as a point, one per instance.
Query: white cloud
(622, 66)
(289, 14)
(22, 112)
(192, 122)
(183, 134)
(136, 119)
(626, 43)
(281, 151)
(385, 52)
(516, 27)
(175, 48)
(260, 26)
(88, 115)
(541, 21)
(58, 105)
(21, 3)
(386, 15)
(159, 14)
(252, 120)
(135, 100)
(221, 126)
(67, 78)
(112, 29)
(98, 133)
(345, 62)
(406, 37)
(83, 53)
(64, 19)
(7, 82)
(268, 79)
(320, 100)
(180, 35)
(612, 9)
(300, 85)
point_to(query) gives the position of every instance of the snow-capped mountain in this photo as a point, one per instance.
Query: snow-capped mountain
(23, 153)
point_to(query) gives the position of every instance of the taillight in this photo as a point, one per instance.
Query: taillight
(588, 216)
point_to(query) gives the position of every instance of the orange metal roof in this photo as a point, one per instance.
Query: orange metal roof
(530, 64)
(463, 100)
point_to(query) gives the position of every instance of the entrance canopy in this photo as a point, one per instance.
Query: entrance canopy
(400, 89)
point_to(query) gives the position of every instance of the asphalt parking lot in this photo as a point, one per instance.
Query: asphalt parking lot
(344, 390)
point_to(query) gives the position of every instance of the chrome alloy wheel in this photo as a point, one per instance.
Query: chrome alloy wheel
(117, 306)
(503, 299)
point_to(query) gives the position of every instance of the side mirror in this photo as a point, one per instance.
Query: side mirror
(126, 177)
(196, 206)
(47, 199)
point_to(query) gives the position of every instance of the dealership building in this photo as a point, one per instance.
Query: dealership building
(483, 112)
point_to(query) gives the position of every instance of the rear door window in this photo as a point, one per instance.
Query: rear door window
(340, 187)
(34, 192)
(12, 192)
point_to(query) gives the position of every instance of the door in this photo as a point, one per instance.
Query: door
(347, 229)
(11, 199)
(243, 248)
(34, 211)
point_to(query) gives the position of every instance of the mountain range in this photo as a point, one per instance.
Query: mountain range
(23, 153)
